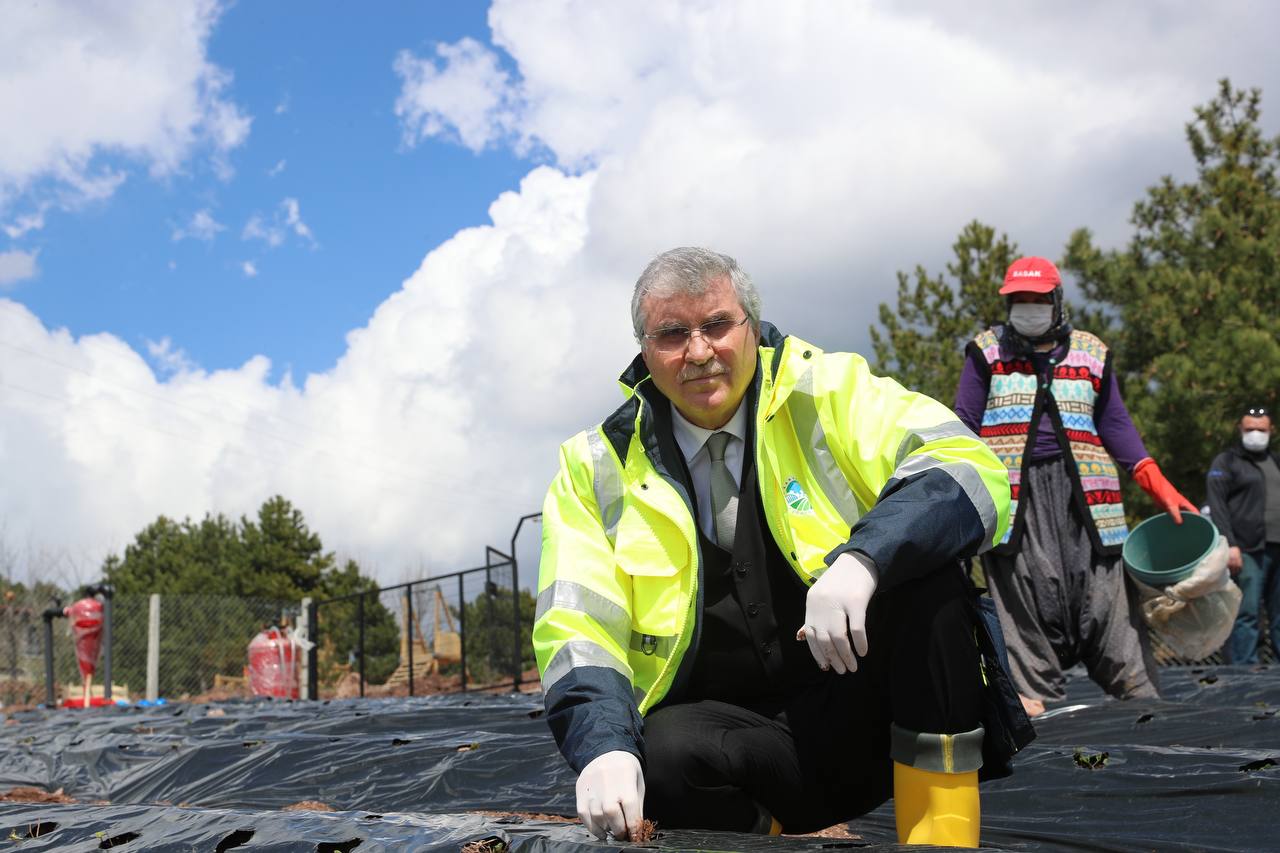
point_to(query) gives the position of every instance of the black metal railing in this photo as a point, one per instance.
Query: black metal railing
(465, 630)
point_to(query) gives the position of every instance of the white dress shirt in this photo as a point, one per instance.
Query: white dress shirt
(692, 440)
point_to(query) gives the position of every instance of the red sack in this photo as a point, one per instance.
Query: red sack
(86, 627)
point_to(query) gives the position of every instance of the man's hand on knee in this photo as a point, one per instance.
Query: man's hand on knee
(835, 612)
(611, 795)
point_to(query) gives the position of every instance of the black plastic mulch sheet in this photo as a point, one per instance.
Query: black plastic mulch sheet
(1197, 770)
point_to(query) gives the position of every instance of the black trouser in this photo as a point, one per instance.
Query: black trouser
(822, 756)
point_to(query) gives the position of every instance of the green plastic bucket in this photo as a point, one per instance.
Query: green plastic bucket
(1159, 552)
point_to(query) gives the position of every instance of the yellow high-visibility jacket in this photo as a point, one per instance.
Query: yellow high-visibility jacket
(846, 461)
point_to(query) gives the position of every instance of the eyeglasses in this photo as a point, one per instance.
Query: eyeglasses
(673, 338)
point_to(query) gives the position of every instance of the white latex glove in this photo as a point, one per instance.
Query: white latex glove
(835, 611)
(611, 795)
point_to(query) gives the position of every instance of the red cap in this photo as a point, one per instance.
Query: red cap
(1031, 275)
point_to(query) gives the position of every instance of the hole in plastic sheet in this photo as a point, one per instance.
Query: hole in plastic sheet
(235, 839)
(1146, 718)
(1209, 679)
(1090, 760)
(1260, 764)
(118, 840)
(339, 846)
(30, 830)
(372, 817)
(836, 845)
(490, 844)
(1265, 715)
(400, 741)
(536, 713)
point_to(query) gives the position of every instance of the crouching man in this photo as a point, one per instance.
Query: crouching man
(751, 613)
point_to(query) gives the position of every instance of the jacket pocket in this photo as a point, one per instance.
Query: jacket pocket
(649, 544)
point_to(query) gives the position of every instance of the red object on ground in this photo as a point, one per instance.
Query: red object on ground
(1031, 274)
(273, 669)
(86, 627)
(94, 702)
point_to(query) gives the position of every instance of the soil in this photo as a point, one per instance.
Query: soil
(555, 818)
(307, 806)
(648, 830)
(840, 830)
(27, 794)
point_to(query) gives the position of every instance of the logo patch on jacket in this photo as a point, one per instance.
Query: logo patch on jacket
(797, 500)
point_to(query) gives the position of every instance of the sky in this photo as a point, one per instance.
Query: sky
(380, 262)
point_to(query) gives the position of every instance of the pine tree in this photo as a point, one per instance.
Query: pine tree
(1196, 294)
(923, 342)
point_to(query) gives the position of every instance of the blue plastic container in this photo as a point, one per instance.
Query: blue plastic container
(1160, 553)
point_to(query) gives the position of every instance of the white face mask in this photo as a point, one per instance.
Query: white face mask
(1256, 440)
(1031, 319)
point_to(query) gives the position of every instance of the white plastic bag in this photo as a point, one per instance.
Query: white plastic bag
(1194, 617)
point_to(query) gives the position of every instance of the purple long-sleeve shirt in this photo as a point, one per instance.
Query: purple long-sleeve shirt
(1115, 427)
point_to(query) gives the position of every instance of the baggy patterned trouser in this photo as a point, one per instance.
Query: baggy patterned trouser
(1061, 603)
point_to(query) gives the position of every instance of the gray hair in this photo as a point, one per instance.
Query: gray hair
(690, 270)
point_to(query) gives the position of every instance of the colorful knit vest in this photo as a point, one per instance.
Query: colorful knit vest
(1016, 400)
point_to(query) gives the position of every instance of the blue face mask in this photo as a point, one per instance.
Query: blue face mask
(1031, 319)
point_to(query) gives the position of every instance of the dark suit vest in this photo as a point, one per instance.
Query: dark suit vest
(752, 604)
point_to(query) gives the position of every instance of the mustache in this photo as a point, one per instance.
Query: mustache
(701, 371)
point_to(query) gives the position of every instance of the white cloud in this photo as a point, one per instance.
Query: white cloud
(87, 80)
(465, 96)
(17, 265)
(286, 218)
(168, 358)
(201, 227)
(258, 229)
(249, 268)
(276, 169)
(293, 220)
(825, 145)
(26, 222)
(405, 451)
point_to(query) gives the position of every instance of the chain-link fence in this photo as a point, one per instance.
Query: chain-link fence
(200, 644)
(22, 648)
(203, 641)
(445, 634)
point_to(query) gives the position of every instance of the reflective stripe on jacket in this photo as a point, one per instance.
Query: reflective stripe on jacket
(846, 461)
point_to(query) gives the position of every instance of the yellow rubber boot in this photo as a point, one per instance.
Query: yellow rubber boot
(936, 808)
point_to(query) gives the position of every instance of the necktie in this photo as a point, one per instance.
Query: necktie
(724, 491)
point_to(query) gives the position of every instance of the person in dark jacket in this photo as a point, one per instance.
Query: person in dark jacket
(1244, 502)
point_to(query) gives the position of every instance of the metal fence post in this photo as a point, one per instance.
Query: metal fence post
(517, 661)
(52, 612)
(106, 642)
(304, 631)
(360, 642)
(462, 631)
(153, 649)
(313, 624)
(409, 624)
